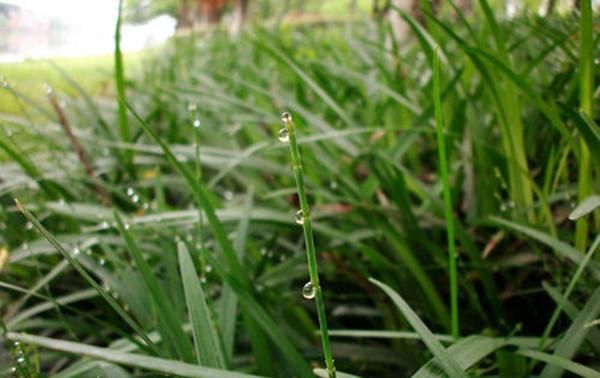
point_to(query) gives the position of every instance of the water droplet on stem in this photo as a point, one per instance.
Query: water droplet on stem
(286, 117)
(284, 136)
(308, 291)
(299, 217)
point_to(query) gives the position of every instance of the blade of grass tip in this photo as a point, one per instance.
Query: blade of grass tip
(568, 346)
(162, 365)
(206, 343)
(81, 270)
(443, 168)
(233, 274)
(120, 86)
(449, 365)
(168, 324)
(569, 289)
(313, 288)
(586, 100)
(559, 362)
(586, 206)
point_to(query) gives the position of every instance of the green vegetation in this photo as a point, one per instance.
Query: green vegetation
(452, 181)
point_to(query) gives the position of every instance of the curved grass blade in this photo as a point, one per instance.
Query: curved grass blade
(233, 274)
(162, 365)
(81, 270)
(169, 325)
(206, 343)
(568, 346)
(560, 363)
(448, 364)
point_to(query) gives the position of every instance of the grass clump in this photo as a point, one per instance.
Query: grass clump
(461, 203)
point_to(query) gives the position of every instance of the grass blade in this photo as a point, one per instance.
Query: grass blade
(560, 363)
(448, 214)
(86, 276)
(447, 363)
(568, 346)
(206, 343)
(162, 365)
(168, 324)
(586, 206)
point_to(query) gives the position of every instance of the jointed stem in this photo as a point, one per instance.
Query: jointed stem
(309, 241)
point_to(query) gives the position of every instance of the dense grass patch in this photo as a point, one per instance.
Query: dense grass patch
(195, 265)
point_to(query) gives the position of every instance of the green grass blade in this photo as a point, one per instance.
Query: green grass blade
(448, 213)
(233, 275)
(206, 343)
(228, 302)
(569, 345)
(161, 365)
(560, 363)
(569, 289)
(120, 86)
(558, 246)
(86, 276)
(586, 207)
(168, 324)
(449, 365)
(586, 100)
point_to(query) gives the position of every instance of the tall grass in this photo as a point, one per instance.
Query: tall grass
(460, 201)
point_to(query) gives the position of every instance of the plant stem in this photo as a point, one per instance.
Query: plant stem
(309, 241)
(443, 168)
(586, 100)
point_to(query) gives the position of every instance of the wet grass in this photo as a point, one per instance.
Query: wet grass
(440, 176)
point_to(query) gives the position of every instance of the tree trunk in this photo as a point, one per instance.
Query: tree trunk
(210, 10)
(240, 13)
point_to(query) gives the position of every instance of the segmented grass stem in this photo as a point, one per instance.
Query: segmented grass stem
(286, 118)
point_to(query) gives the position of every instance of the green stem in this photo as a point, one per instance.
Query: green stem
(443, 168)
(586, 99)
(309, 241)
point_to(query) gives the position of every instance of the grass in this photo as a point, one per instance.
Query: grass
(443, 178)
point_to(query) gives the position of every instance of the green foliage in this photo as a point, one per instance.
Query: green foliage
(201, 274)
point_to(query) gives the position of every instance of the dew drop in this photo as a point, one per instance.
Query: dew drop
(102, 261)
(197, 123)
(284, 136)
(76, 251)
(126, 307)
(130, 191)
(299, 217)
(286, 117)
(208, 268)
(104, 225)
(192, 107)
(20, 360)
(263, 251)
(135, 198)
(228, 195)
(126, 226)
(308, 291)
(28, 226)
(13, 369)
(203, 279)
